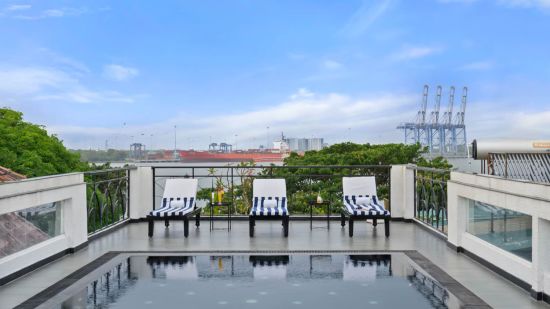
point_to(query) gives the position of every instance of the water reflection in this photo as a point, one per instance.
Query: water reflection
(230, 277)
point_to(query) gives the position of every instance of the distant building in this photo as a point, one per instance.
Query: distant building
(137, 151)
(315, 143)
(304, 144)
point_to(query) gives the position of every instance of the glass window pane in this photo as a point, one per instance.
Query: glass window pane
(28, 227)
(506, 229)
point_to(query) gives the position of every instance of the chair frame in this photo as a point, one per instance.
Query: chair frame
(185, 218)
(195, 212)
(345, 215)
(284, 218)
(351, 218)
(253, 218)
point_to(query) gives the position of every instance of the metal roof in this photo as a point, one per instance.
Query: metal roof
(8, 175)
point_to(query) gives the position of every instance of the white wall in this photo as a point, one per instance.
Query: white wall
(141, 192)
(529, 198)
(70, 189)
(402, 191)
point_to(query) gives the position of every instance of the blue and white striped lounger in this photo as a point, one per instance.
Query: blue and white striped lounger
(372, 209)
(269, 202)
(258, 208)
(361, 202)
(178, 202)
(174, 207)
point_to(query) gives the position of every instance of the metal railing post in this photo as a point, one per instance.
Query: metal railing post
(154, 197)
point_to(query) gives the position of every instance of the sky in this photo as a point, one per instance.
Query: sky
(109, 73)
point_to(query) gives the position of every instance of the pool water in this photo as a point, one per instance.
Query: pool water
(258, 281)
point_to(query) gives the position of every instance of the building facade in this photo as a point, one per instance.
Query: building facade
(304, 144)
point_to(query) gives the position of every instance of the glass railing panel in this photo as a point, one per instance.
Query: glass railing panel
(507, 229)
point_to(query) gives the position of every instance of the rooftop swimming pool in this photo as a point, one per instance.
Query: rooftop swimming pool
(292, 280)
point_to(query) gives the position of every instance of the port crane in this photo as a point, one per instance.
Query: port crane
(442, 135)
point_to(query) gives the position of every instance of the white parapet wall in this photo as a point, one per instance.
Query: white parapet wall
(532, 199)
(402, 191)
(141, 192)
(69, 191)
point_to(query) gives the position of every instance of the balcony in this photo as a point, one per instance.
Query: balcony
(491, 235)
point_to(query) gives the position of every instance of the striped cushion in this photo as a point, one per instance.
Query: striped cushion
(167, 211)
(374, 209)
(258, 208)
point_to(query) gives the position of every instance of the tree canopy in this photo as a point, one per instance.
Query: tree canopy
(28, 148)
(366, 154)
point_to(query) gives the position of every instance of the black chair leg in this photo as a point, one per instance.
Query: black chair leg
(285, 226)
(374, 222)
(151, 227)
(343, 220)
(350, 227)
(251, 227)
(387, 227)
(186, 227)
(198, 220)
(166, 223)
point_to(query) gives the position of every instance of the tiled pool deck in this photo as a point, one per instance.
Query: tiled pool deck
(492, 288)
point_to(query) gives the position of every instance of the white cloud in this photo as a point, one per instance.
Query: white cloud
(490, 120)
(67, 64)
(118, 72)
(365, 16)
(540, 4)
(26, 12)
(18, 7)
(415, 52)
(304, 114)
(331, 64)
(457, 1)
(477, 66)
(372, 119)
(302, 93)
(51, 84)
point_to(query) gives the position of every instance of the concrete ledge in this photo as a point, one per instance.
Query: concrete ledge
(34, 266)
(292, 218)
(429, 229)
(517, 281)
(110, 229)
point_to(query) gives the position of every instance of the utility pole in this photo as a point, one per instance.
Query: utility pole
(175, 145)
(267, 139)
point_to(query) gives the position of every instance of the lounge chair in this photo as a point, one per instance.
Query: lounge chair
(269, 202)
(361, 203)
(178, 203)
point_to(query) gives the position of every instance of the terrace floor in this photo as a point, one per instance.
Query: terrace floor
(496, 291)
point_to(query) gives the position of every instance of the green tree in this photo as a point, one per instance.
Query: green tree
(305, 182)
(28, 148)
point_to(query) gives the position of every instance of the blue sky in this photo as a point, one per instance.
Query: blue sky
(92, 71)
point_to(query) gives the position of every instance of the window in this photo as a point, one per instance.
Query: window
(504, 228)
(25, 228)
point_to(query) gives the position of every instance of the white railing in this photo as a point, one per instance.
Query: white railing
(40, 218)
(505, 223)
